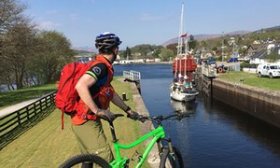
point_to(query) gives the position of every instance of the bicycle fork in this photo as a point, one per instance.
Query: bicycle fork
(161, 146)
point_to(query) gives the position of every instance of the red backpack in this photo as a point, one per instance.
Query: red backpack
(67, 97)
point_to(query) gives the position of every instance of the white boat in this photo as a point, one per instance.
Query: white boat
(181, 92)
(183, 67)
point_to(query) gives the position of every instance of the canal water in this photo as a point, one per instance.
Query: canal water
(214, 135)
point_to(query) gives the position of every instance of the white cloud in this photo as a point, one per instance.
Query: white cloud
(47, 25)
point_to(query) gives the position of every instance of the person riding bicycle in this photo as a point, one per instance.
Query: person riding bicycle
(96, 92)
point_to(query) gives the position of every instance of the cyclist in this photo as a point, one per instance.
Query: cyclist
(95, 93)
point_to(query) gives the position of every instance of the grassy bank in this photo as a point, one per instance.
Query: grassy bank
(13, 97)
(46, 145)
(251, 80)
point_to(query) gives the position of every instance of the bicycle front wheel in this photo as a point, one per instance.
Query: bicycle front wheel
(173, 160)
(85, 159)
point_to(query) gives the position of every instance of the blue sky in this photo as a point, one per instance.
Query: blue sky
(149, 21)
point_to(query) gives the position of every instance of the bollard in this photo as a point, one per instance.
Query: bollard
(124, 96)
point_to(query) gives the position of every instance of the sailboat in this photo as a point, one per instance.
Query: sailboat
(184, 65)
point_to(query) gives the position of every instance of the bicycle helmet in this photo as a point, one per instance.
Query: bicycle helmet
(106, 41)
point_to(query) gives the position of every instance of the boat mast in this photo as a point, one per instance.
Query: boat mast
(223, 49)
(180, 42)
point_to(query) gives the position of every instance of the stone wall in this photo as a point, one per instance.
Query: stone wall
(260, 103)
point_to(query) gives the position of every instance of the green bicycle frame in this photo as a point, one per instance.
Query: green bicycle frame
(120, 161)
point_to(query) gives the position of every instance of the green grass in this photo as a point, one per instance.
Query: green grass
(46, 145)
(252, 80)
(13, 97)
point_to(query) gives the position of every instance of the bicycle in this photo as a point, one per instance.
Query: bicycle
(165, 149)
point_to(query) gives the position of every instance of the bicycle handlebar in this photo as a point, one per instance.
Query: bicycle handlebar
(157, 119)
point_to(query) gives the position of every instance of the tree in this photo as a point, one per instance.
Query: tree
(10, 14)
(172, 47)
(143, 49)
(52, 53)
(156, 52)
(17, 50)
(166, 54)
(127, 52)
(273, 57)
(192, 42)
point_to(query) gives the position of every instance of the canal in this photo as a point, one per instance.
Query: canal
(214, 135)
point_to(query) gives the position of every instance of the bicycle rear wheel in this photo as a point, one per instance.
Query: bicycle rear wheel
(175, 158)
(85, 158)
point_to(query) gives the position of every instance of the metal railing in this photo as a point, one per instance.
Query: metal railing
(15, 123)
(132, 75)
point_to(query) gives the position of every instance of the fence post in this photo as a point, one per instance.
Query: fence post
(18, 117)
(27, 112)
(41, 108)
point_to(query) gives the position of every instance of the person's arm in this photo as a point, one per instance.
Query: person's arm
(120, 103)
(82, 87)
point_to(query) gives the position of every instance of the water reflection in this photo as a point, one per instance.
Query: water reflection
(264, 133)
(184, 107)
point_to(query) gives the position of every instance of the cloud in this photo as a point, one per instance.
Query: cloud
(149, 17)
(47, 25)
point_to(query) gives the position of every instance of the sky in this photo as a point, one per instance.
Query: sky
(149, 21)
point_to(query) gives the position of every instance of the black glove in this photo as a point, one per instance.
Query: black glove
(136, 116)
(105, 114)
(133, 115)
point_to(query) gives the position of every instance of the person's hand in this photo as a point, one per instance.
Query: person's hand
(133, 115)
(136, 116)
(105, 114)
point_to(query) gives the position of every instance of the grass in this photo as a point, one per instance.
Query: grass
(251, 80)
(46, 145)
(13, 97)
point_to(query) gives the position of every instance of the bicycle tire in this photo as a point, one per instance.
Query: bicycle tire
(89, 158)
(175, 158)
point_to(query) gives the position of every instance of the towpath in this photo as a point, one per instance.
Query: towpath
(10, 109)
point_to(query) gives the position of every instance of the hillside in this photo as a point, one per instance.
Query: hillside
(201, 37)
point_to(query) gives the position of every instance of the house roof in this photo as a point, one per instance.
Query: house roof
(262, 54)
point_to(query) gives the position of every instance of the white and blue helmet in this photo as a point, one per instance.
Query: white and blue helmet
(106, 41)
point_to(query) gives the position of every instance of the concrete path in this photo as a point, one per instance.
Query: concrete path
(8, 110)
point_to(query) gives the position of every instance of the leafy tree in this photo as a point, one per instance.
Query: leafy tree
(10, 14)
(172, 47)
(144, 49)
(52, 53)
(166, 54)
(272, 57)
(192, 42)
(127, 52)
(156, 52)
(17, 50)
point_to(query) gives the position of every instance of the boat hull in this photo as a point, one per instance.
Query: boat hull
(179, 93)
